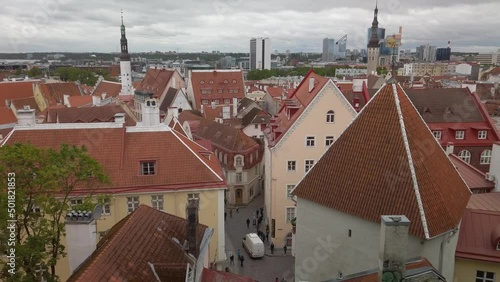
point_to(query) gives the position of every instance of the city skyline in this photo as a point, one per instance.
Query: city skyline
(227, 25)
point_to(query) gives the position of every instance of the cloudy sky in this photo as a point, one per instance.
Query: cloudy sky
(227, 25)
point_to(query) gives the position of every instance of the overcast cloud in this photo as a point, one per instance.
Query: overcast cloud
(227, 25)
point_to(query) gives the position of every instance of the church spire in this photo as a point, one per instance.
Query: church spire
(375, 16)
(374, 40)
(124, 56)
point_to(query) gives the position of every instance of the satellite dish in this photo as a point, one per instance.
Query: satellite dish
(97, 212)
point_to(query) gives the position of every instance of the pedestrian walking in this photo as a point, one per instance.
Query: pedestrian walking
(262, 211)
(248, 223)
(284, 249)
(257, 212)
(225, 215)
(239, 255)
(267, 236)
(272, 248)
(237, 209)
(231, 213)
(242, 259)
(231, 258)
(254, 222)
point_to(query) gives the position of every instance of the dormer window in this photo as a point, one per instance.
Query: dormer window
(482, 134)
(148, 168)
(459, 134)
(239, 161)
(437, 134)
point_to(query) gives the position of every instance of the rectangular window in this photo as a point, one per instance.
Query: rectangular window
(220, 92)
(309, 164)
(256, 126)
(216, 101)
(204, 102)
(192, 196)
(481, 134)
(238, 177)
(157, 202)
(484, 276)
(239, 161)
(290, 214)
(226, 101)
(289, 189)
(148, 168)
(132, 203)
(291, 165)
(230, 91)
(437, 134)
(106, 207)
(329, 140)
(310, 141)
(459, 134)
(75, 202)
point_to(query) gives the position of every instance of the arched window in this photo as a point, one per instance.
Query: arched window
(485, 157)
(330, 116)
(464, 155)
(225, 158)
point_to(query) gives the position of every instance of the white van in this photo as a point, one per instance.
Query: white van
(254, 245)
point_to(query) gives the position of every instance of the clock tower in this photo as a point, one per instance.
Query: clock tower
(125, 67)
(373, 45)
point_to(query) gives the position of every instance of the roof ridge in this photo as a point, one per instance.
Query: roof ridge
(410, 161)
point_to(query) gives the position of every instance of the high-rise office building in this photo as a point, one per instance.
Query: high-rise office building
(426, 53)
(328, 49)
(260, 53)
(443, 54)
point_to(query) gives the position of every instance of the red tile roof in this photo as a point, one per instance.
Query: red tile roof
(86, 89)
(275, 91)
(142, 238)
(210, 275)
(388, 162)
(80, 101)
(473, 177)
(54, 92)
(7, 116)
(373, 277)
(480, 229)
(88, 114)
(155, 81)
(30, 101)
(15, 90)
(215, 80)
(120, 151)
(111, 88)
(297, 102)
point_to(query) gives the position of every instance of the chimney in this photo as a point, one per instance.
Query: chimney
(120, 118)
(311, 84)
(96, 101)
(235, 107)
(393, 245)
(66, 100)
(81, 237)
(202, 110)
(26, 116)
(103, 95)
(150, 112)
(7, 103)
(171, 113)
(356, 104)
(449, 148)
(192, 224)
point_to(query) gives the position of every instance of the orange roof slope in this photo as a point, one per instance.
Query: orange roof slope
(155, 81)
(111, 88)
(30, 101)
(181, 163)
(54, 92)
(7, 116)
(222, 85)
(388, 162)
(80, 101)
(104, 113)
(474, 178)
(15, 90)
(143, 237)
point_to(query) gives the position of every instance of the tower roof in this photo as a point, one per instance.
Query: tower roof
(124, 55)
(374, 40)
(388, 162)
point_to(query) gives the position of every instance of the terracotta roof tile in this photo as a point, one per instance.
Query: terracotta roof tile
(155, 81)
(15, 90)
(214, 80)
(474, 178)
(255, 116)
(111, 88)
(80, 101)
(480, 229)
(7, 116)
(275, 91)
(30, 101)
(120, 152)
(54, 92)
(144, 236)
(369, 167)
(88, 114)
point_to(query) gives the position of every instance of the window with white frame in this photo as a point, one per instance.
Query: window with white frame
(239, 161)
(289, 189)
(148, 168)
(290, 214)
(498, 246)
(238, 177)
(329, 140)
(75, 202)
(308, 165)
(291, 165)
(437, 134)
(330, 116)
(132, 203)
(106, 207)
(157, 202)
(459, 134)
(226, 101)
(256, 126)
(482, 134)
(204, 102)
(485, 276)
(464, 155)
(216, 101)
(485, 157)
(225, 158)
(310, 141)
(193, 196)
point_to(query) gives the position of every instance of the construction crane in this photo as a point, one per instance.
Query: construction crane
(344, 39)
(342, 46)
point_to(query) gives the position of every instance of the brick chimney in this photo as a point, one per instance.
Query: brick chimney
(311, 84)
(393, 245)
(81, 237)
(26, 116)
(192, 224)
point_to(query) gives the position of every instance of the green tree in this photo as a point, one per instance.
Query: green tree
(44, 181)
(34, 72)
(74, 74)
(382, 71)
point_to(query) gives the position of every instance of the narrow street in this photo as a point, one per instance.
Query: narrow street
(264, 269)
